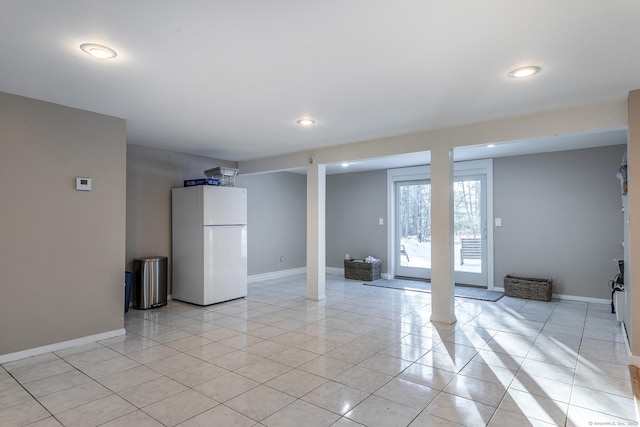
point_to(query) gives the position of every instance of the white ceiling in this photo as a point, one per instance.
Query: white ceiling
(227, 79)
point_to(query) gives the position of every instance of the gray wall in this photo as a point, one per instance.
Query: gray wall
(277, 221)
(276, 209)
(151, 173)
(355, 202)
(61, 250)
(561, 217)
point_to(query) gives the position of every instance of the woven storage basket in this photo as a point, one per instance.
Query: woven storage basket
(526, 287)
(365, 271)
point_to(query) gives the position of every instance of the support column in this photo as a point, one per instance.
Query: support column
(442, 281)
(632, 266)
(316, 254)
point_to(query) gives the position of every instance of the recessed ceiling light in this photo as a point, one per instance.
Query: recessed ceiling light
(491, 145)
(306, 122)
(524, 72)
(98, 51)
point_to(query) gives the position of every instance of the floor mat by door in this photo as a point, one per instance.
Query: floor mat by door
(419, 286)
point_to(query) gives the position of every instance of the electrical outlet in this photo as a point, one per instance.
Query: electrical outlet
(83, 184)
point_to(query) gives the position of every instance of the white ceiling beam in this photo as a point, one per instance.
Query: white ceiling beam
(584, 119)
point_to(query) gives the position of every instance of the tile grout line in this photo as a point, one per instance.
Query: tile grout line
(32, 396)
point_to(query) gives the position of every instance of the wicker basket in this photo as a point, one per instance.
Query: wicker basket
(365, 271)
(529, 288)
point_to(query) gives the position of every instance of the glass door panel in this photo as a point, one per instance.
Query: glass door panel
(470, 231)
(413, 229)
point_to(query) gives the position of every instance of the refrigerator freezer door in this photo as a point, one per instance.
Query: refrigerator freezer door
(225, 263)
(224, 205)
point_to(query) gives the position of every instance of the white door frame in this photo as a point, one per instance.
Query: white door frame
(474, 167)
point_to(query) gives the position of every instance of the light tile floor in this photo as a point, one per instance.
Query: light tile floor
(364, 356)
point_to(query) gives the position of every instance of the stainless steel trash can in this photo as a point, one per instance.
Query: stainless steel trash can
(149, 282)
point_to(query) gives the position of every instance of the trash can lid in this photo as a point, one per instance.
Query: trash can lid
(151, 258)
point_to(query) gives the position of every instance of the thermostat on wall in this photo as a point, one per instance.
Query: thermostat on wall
(83, 184)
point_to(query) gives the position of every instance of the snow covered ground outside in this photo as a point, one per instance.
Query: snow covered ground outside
(420, 256)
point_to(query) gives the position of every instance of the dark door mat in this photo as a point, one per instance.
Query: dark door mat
(419, 286)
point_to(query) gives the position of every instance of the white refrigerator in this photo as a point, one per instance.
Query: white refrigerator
(209, 244)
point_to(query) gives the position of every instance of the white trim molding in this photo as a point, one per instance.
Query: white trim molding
(572, 298)
(334, 271)
(282, 274)
(581, 299)
(276, 274)
(10, 357)
(633, 360)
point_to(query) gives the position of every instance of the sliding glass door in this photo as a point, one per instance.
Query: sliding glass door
(412, 245)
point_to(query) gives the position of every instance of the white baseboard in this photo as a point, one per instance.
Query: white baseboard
(10, 357)
(633, 360)
(276, 274)
(572, 298)
(582, 299)
(340, 272)
(295, 271)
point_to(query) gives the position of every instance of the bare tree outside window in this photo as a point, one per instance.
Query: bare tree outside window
(414, 213)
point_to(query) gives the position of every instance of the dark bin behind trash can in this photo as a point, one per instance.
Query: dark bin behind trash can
(128, 279)
(150, 282)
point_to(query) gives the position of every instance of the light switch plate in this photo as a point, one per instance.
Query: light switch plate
(83, 184)
(498, 222)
